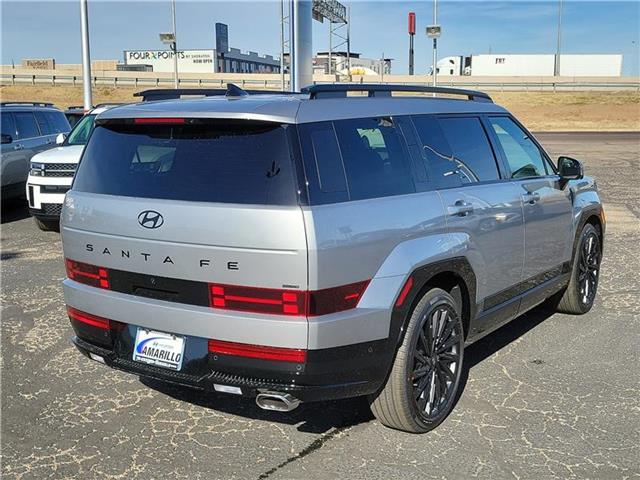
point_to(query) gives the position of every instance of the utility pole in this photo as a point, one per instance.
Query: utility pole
(282, 15)
(412, 32)
(86, 57)
(435, 44)
(330, 46)
(349, 41)
(557, 64)
(175, 44)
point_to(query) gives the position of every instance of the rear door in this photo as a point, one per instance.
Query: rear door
(13, 155)
(207, 202)
(481, 207)
(547, 206)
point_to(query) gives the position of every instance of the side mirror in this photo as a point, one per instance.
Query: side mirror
(6, 138)
(61, 138)
(570, 168)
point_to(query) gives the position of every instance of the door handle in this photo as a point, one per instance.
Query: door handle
(531, 197)
(460, 209)
(18, 146)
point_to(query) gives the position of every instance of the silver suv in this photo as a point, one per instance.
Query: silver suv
(27, 129)
(334, 243)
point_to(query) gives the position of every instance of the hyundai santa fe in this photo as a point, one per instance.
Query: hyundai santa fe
(344, 241)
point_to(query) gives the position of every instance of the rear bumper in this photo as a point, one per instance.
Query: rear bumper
(340, 370)
(346, 372)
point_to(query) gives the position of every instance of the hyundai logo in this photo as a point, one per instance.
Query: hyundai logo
(150, 219)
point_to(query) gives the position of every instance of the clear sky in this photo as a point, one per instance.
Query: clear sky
(51, 29)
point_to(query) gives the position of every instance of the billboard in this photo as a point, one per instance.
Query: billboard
(189, 61)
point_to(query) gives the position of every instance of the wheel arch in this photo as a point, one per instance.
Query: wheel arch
(454, 275)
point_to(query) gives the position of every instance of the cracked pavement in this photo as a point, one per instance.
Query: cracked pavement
(547, 396)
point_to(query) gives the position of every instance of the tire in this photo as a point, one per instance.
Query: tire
(580, 294)
(418, 404)
(47, 225)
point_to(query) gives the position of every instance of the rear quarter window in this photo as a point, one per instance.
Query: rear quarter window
(355, 160)
(225, 162)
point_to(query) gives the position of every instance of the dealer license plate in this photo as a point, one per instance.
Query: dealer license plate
(159, 348)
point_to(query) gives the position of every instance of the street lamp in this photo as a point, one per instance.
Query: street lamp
(170, 39)
(433, 31)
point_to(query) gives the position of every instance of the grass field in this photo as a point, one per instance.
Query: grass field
(565, 111)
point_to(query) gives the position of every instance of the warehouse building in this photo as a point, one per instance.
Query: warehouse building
(221, 59)
(543, 65)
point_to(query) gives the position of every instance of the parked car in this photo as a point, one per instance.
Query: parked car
(27, 128)
(293, 248)
(52, 171)
(74, 114)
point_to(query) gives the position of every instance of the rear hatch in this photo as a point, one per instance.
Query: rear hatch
(175, 205)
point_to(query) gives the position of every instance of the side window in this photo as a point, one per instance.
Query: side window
(471, 149)
(326, 182)
(441, 165)
(8, 125)
(58, 122)
(43, 122)
(523, 156)
(26, 125)
(375, 160)
(328, 161)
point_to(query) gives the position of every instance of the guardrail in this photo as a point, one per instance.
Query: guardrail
(132, 80)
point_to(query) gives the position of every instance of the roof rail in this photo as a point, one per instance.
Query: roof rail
(33, 104)
(378, 90)
(109, 104)
(177, 93)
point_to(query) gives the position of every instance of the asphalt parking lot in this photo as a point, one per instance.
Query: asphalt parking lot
(547, 396)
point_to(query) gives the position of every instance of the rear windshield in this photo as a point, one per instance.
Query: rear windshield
(228, 162)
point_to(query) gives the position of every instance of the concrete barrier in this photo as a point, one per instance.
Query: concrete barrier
(71, 75)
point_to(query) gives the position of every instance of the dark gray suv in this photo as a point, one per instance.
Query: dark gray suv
(27, 128)
(292, 248)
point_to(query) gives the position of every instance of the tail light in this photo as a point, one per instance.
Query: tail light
(336, 299)
(87, 274)
(258, 351)
(87, 318)
(286, 302)
(159, 121)
(260, 300)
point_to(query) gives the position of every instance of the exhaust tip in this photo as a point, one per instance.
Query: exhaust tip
(278, 402)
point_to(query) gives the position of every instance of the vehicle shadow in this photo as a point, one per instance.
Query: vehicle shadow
(315, 417)
(320, 417)
(502, 337)
(14, 209)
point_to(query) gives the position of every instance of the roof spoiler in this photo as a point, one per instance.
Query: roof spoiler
(232, 90)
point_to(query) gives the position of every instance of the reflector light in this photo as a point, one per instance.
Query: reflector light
(258, 351)
(89, 319)
(87, 274)
(159, 121)
(404, 292)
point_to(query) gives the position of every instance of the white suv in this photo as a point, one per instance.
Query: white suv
(51, 172)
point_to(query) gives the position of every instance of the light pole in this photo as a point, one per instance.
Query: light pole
(86, 58)
(557, 64)
(175, 44)
(301, 45)
(170, 39)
